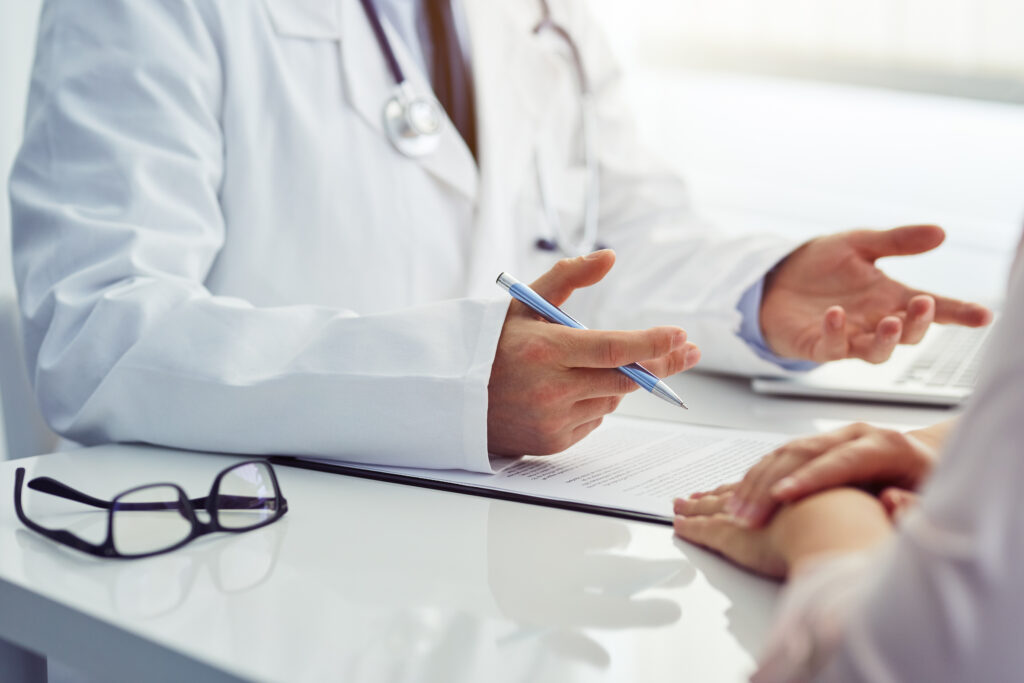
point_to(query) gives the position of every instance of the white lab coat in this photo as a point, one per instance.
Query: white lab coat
(217, 247)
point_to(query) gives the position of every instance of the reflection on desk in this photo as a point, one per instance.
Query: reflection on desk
(369, 581)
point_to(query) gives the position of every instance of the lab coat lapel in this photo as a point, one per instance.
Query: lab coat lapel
(512, 84)
(305, 18)
(369, 83)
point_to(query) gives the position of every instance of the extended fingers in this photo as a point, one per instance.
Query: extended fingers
(678, 360)
(877, 346)
(594, 382)
(954, 311)
(724, 488)
(571, 274)
(902, 241)
(920, 314)
(833, 344)
(614, 348)
(705, 505)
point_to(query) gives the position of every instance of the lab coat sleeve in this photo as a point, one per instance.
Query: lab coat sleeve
(116, 224)
(673, 267)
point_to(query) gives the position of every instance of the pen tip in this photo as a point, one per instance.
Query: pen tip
(685, 407)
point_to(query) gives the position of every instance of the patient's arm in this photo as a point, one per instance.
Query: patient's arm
(853, 455)
(836, 521)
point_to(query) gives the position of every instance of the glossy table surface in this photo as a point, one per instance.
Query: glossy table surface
(370, 581)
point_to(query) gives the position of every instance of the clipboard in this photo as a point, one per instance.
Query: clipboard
(628, 468)
(426, 482)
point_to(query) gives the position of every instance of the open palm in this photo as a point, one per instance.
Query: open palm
(827, 300)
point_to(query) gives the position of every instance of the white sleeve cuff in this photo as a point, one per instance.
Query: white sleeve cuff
(812, 616)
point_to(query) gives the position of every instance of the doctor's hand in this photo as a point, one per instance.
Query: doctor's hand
(827, 300)
(551, 385)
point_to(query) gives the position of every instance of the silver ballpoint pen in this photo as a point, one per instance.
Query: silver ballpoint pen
(636, 372)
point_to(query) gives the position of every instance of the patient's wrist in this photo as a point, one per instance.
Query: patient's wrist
(839, 520)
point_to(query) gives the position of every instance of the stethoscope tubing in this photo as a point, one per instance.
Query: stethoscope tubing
(382, 40)
(588, 124)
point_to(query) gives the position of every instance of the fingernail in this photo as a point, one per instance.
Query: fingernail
(678, 341)
(692, 357)
(733, 506)
(740, 516)
(594, 255)
(784, 486)
(752, 514)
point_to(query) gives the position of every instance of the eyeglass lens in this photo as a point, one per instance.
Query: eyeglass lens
(247, 496)
(149, 519)
(153, 518)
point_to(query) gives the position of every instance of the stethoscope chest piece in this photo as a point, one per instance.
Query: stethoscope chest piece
(413, 123)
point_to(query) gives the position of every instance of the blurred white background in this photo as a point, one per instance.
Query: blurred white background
(955, 46)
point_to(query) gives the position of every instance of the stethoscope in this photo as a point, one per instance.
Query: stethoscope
(413, 125)
(413, 122)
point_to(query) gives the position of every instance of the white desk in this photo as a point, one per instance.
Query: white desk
(368, 581)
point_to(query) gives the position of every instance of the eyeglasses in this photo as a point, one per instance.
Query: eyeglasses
(158, 518)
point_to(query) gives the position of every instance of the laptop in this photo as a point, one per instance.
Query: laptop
(940, 370)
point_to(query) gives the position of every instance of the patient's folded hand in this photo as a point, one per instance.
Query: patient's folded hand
(839, 520)
(853, 455)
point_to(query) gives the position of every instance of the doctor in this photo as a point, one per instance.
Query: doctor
(253, 227)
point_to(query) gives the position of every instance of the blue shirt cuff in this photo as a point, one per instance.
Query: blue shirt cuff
(750, 330)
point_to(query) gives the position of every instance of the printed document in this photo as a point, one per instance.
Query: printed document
(626, 464)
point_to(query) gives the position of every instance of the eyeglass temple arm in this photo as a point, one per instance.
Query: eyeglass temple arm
(230, 502)
(56, 488)
(224, 502)
(60, 535)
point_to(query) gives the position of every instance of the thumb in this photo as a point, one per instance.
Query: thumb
(910, 239)
(570, 274)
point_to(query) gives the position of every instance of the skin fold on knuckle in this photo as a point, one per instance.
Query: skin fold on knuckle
(549, 398)
(563, 267)
(536, 350)
(612, 352)
(676, 362)
(660, 341)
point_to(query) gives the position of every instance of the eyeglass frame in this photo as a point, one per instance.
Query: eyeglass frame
(184, 505)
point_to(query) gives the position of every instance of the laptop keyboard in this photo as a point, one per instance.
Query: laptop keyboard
(950, 359)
